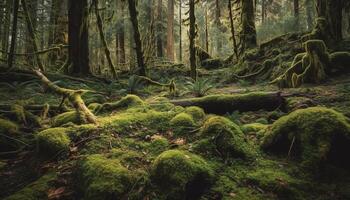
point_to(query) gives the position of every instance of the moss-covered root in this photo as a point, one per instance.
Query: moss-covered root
(100, 178)
(221, 136)
(222, 104)
(53, 141)
(181, 175)
(308, 67)
(125, 102)
(65, 118)
(36, 190)
(315, 135)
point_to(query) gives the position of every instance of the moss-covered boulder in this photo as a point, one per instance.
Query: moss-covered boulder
(7, 128)
(35, 190)
(256, 128)
(65, 118)
(53, 141)
(100, 178)
(181, 175)
(181, 124)
(315, 135)
(220, 135)
(196, 112)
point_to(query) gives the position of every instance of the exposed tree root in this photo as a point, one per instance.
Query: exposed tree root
(222, 104)
(73, 96)
(146, 80)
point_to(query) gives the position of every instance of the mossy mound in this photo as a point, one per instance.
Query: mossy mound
(65, 118)
(125, 102)
(315, 135)
(182, 123)
(7, 128)
(100, 178)
(196, 112)
(181, 175)
(225, 136)
(36, 190)
(53, 141)
(257, 128)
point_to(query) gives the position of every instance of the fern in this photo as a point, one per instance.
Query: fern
(134, 84)
(200, 87)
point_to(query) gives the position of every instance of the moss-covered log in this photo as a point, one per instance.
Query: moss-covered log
(222, 104)
(74, 97)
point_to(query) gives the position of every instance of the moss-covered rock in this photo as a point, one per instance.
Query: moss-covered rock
(53, 141)
(225, 136)
(254, 128)
(182, 123)
(340, 62)
(181, 175)
(65, 118)
(315, 135)
(100, 178)
(196, 112)
(36, 190)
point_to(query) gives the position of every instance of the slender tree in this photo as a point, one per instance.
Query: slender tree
(170, 31)
(13, 33)
(248, 34)
(233, 34)
(192, 38)
(78, 37)
(137, 38)
(120, 36)
(180, 30)
(160, 28)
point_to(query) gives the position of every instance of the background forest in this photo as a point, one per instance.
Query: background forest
(174, 99)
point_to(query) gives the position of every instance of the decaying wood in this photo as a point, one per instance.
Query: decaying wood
(222, 104)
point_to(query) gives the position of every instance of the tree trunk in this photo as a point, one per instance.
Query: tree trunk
(309, 8)
(160, 29)
(233, 35)
(104, 42)
(32, 9)
(120, 36)
(331, 10)
(13, 33)
(192, 40)
(180, 30)
(78, 37)
(263, 11)
(6, 28)
(206, 31)
(170, 31)
(139, 51)
(248, 25)
(218, 24)
(296, 14)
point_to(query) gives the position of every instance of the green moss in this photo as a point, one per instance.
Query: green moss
(125, 102)
(101, 178)
(320, 134)
(255, 128)
(95, 107)
(196, 112)
(53, 141)
(227, 137)
(36, 190)
(181, 175)
(157, 145)
(7, 126)
(66, 118)
(181, 124)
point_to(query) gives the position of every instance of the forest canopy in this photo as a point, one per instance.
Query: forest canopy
(174, 99)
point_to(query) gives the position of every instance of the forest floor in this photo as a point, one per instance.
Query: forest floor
(124, 156)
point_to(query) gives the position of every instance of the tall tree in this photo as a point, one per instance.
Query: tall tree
(192, 38)
(170, 31)
(296, 14)
(248, 34)
(78, 37)
(180, 30)
(137, 38)
(120, 36)
(13, 33)
(233, 34)
(160, 28)
(6, 27)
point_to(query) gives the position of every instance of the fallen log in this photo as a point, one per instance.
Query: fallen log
(73, 96)
(222, 104)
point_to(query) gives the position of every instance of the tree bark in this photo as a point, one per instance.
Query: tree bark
(170, 31)
(120, 36)
(78, 37)
(180, 30)
(296, 14)
(13, 34)
(6, 27)
(233, 35)
(192, 40)
(139, 51)
(160, 29)
(248, 25)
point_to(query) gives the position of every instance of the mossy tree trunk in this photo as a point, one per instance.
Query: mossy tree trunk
(248, 33)
(233, 34)
(78, 37)
(160, 28)
(137, 38)
(192, 36)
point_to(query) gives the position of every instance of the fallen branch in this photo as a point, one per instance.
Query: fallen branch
(222, 104)
(73, 96)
